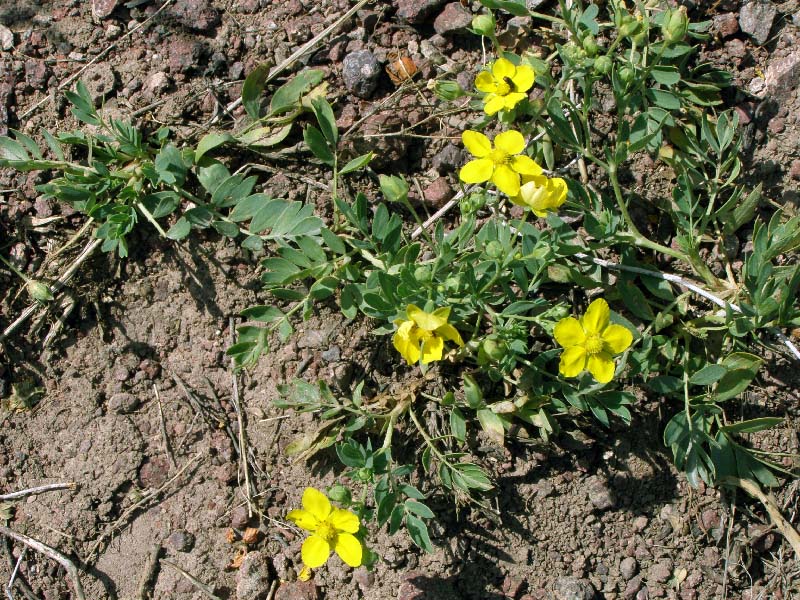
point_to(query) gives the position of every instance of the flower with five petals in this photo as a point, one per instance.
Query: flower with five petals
(331, 529)
(501, 164)
(505, 85)
(589, 343)
(541, 194)
(422, 335)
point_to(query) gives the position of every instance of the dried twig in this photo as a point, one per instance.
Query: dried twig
(10, 584)
(240, 419)
(149, 572)
(19, 580)
(50, 487)
(163, 424)
(207, 591)
(65, 562)
(773, 510)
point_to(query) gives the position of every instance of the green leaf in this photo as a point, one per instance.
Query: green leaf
(472, 476)
(458, 424)
(518, 8)
(265, 136)
(357, 163)
(635, 301)
(253, 88)
(418, 532)
(209, 142)
(742, 369)
(708, 375)
(492, 424)
(161, 204)
(324, 288)
(394, 188)
(226, 228)
(472, 393)
(262, 313)
(318, 145)
(664, 99)
(327, 122)
(180, 230)
(170, 166)
(211, 174)
(287, 97)
(12, 150)
(419, 509)
(333, 241)
(666, 74)
(752, 425)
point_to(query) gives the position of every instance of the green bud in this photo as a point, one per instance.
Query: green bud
(451, 284)
(603, 64)
(494, 249)
(626, 75)
(446, 90)
(492, 349)
(590, 46)
(364, 474)
(675, 25)
(641, 38)
(39, 291)
(422, 274)
(339, 493)
(630, 26)
(484, 25)
(573, 53)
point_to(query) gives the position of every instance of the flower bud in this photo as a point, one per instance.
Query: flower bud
(675, 25)
(484, 24)
(422, 273)
(629, 27)
(492, 349)
(340, 494)
(590, 46)
(603, 64)
(626, 75)
(39, 291)
(494, 249)
(446, 90)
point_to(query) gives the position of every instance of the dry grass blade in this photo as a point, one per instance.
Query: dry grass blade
(50, 487)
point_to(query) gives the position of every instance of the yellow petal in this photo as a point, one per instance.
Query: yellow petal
(494, 104)
(503, 67)
(426, 321)
(511, 99)
(303, 518)
(344, 520)
(525, 165)
(405, 342)
(601, 367)
(568, 332)
(477, 171)
(523, 78)
(432, 349)
(443, 312)
(484, 82)
(596, 318)
(476, 143)
(317, 504)
(510, 142)
(315, 551)
(349, 549)
(617, 338)
(449, 332)
(573, 361)
(556, 191)
(506, 180)
(304, 574)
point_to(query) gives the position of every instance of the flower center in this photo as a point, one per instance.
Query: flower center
(499, 157)
(593, 344)
(326, 531)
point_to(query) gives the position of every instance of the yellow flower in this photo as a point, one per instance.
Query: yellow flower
(505, 85)
(590, 343)
(499, 164)
(331, 529)
(422, 335)
(541, 194)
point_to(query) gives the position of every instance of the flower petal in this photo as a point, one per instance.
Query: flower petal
(316, 503)
(476, 143)
(349, 549)
(477, 171)
(523, 78)
(596, 318)
(617, 338)
(506, 180)
(449, 332)
(303, 519)
(315, 551)
(525, 165)
(484, 82)
(344, 520)
(568, 332)
(426, 321)
(573, 361)
(510, 142)
(405, 342)
(432, 349)
(601, 366)
(503, 67)
(494, 104)
(511, 99)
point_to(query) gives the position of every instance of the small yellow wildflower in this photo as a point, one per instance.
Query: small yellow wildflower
(500, 164)
(422, 335)
(590, 342)
(331, 529)
(541, 194)
(505, 85)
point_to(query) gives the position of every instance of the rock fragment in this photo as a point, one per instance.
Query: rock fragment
(573, 588)
(416, 11)
(252, 580)
(453, 19)
(102, 9)
(360, 72)
(755, 19)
